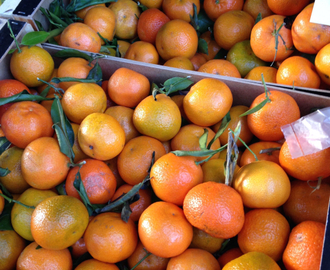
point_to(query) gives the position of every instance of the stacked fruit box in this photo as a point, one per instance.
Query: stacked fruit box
(244, 91)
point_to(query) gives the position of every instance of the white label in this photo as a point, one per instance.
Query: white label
(320, 13)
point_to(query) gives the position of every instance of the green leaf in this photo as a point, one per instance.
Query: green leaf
(202, 46)
(203, 140)
(71, 79)
(4, 144)
(22, 96)
(255, 108)
(96, 74)
(80, 4)
(67, 53)
(126, 211)
(223, 126)
(203, 22)
(64, 142)
(4, 172)
(61, 188)
(176, 84)
(259, 17)
(34, 38)
(5, 217)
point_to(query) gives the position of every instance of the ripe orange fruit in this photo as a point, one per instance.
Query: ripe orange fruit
(220, 67)
(204, 241)
(322, 64)
(247, 157)
(264, 230)
(11, 246)
(58, 222)
(215, 208)
(74, 67)
(97, 178)
(304, 249)
(173, 174)
(152, 3)
(197, 60)
(93, 137)
(124, 116)
(152, 262)
(30, 64)
(109, 239)
(14, 182)
(266, 123)
(82, 99)
(137, 155)
(232, 27)
(306, 203)
(180, 62)
(82, 12)
(43, 164)
(254, 7)
(149, 23)
(142, 51)
(298, 71)
(214, 9)
(176, 38)
(163, 229)
(187, 139)
(212, 46)
(252, 260)
(78, 152)
(80, 36)
(8, 88)
(33, 257)
(263, 39)
(262, 184)
(269, 74)
(102, 20)
(287, 8)
(160, 118)
(127, 13)
(194, 258)
(207, 102)
(308, 167)
(112, 164)
(96, 264)
(127, 87)
(78, 248)
(182, 10)
(229, 255)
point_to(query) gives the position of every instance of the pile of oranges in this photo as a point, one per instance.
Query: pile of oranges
(235, 38)
(120, 173)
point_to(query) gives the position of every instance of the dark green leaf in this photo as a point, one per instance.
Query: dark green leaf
(34, 38)
(203, 22)
(221, 54)
(126, 211)
(78, 5)
(5, 217)
(223, 126)
(4, 144)
(22, 96)
(95, 74)
(71, 79)
(67, 53)
(4, 172)
(39, 25)
(176, 84)
(202, 46)
(61, 188)
(54, 19)
(63, 141)
(259, 17)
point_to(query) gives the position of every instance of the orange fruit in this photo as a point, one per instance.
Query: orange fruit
(74, 67)
(149, 23)
(231, 27)
(102, 20)
(81, 13)
(182, 10)
(214, 9)
(308, 167)
(269, 74)
(178, 99)
(142, 51)
(322, 64)
(123, 46)
(309, 37)
(8, 88)
(207, 102)
(109, 239)
(11, 246)
(229, 255)
(298, 71)
(306, 202)
(163, 229)
(264, 230)
(43, 164)
(254, 7)
(247, 157)
(82, 99)
(33, 257)
(30, 64)
(262, 184)
(204, 241)
(14, 182)
(138, 206)
(263, 39)
(112, 164)
(197, 60)
(99, 182)
(124, 116)
(212, 46)
(152, 262)
(287, 8)
(173, 174)
(304, 249)
(220, 67)
(21, 215)
(127, 87)
(215, 208)
(235, 119)
(78, 248)
(180, 62)
(127, 13)
(80, 36)
(152, 3)
(187, 139)
(176, 38)
(58, 222)
(159, 118)
(194, 258)
(137, 156)
(96, 264)
(78, 152)
(93, 137)
(252, 260)
(266, 123)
